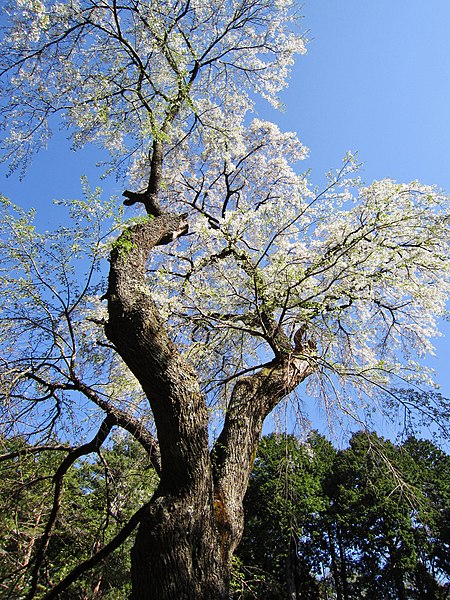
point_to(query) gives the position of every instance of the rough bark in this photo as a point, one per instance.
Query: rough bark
(191, 528)
(252, 399)
(176, 554)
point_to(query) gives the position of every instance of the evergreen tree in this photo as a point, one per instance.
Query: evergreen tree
(98, 497)
(368, 521)
(282, 504)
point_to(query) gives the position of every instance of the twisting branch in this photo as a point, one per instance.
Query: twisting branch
(127, 422)
(119, 416)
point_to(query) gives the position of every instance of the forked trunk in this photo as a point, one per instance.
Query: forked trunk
(186, 540)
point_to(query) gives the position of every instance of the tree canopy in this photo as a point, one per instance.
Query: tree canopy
(240, 282)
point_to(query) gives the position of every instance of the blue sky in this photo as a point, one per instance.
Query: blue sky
(376, 80)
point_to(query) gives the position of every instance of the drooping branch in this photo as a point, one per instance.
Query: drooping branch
(118, 416)
(125, 420)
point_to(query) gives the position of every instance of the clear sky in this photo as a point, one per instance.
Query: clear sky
(376, 80)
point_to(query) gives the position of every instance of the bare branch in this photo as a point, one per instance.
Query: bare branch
(93, 446)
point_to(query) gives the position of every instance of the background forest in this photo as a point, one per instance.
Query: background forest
(368, 521)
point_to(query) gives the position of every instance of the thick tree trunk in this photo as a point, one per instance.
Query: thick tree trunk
(185, 543)
(177, 553)
(177, 550)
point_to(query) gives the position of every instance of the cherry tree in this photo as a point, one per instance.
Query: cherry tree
(239, 282)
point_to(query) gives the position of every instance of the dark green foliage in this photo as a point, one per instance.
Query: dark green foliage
(284, 496)
(99, 495)
(370, 521)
